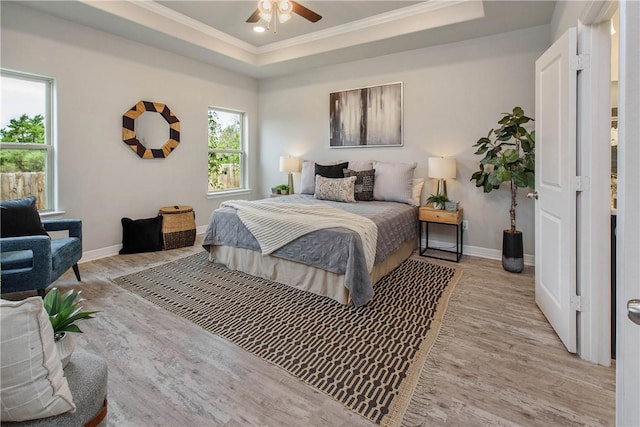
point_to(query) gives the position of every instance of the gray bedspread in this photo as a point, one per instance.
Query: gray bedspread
(337, 250)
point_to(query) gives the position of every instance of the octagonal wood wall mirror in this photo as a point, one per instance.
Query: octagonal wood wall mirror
(129, 133)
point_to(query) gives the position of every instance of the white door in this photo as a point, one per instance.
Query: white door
(628, 233)
(555, 213)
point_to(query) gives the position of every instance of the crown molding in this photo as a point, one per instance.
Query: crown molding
(153, 6)
(362, 24)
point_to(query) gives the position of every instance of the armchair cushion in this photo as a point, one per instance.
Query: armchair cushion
(34, 262)
(19, 217)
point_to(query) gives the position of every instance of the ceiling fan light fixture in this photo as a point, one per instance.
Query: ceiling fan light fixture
(265, 5)
(284, 6)
(284, 17)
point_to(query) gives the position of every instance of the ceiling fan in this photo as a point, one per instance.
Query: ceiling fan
(280, 11)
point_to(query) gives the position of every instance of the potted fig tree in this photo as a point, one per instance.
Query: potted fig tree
(508, 157)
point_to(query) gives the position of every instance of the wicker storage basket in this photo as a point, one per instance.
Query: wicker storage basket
(178, 226)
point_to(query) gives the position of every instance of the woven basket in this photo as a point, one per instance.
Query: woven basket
(178, 226)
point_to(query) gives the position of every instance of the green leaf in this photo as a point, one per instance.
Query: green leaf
(482, 149)
(520, 179)
(488, 187)
(518, 112)
(510, 156)
(71, 328)
(476, 175)
(531, 180)
(502, 175)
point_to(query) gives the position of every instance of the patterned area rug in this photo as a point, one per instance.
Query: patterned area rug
(368, 358)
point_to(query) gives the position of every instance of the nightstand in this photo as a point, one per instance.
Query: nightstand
(428, 215)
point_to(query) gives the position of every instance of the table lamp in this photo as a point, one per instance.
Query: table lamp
(442, 168)
(289, 165)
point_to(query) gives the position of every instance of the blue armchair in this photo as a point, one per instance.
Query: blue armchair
(34, 262)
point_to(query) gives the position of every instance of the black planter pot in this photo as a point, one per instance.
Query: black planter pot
(512, 258)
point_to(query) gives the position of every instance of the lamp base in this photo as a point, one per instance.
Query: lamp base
(442, 187)
(290, 183)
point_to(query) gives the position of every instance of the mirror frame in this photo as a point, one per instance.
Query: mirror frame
(129, 133)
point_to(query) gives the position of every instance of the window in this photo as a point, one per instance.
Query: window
(26, 147)
(226, 151)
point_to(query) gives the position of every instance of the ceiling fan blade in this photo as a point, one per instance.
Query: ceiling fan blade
(307, 14)
(255, 17)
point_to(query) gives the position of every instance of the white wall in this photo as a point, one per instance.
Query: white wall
(98, 77)
(453, 95)
(565, 16)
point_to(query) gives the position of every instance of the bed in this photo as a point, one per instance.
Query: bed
(329, 262)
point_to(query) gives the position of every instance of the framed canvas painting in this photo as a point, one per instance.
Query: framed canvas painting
(366, 117)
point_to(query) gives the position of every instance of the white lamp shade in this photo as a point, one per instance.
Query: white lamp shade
(289, 164)
(441, 167)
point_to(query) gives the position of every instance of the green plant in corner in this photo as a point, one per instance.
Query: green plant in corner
(64, 311)
(509, 156)
(438, 201)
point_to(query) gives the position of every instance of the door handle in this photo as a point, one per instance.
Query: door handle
(633, 310)
(533, 195)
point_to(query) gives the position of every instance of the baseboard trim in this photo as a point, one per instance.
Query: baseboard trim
(466, 250)
(478, 251)
(115, 249)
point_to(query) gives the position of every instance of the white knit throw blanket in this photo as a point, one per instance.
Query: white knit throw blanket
(276, 224)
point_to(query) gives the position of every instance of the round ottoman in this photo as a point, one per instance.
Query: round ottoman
(87, 377)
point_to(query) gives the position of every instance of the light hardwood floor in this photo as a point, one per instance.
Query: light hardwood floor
(497, 362)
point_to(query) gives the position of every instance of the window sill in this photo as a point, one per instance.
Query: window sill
(229, 193)
(48, 214)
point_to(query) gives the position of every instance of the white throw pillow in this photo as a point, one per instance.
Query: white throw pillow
(416, 191)
(335, 189)
(33, 383)
(393, 182)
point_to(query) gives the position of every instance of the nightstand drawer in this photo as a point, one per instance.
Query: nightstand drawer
(438, 215)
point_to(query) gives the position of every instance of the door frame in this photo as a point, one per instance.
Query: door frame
(628, 249)
(594, 163)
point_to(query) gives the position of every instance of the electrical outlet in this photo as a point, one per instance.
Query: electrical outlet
(465, 224)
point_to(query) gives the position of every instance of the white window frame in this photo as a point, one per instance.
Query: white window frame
(49, 134)
(242, 152)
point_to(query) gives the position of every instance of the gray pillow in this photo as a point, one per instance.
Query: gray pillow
(364, 183)
(393, 181)
(361, 165)
(308, 178)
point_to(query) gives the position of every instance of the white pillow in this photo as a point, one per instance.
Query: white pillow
(416, 192)
(308, 176)
(33, 383)
(393, 182)
(335, 189)
(361, 166)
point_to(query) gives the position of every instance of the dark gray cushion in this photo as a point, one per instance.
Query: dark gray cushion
(20, 217)
(333, 171)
